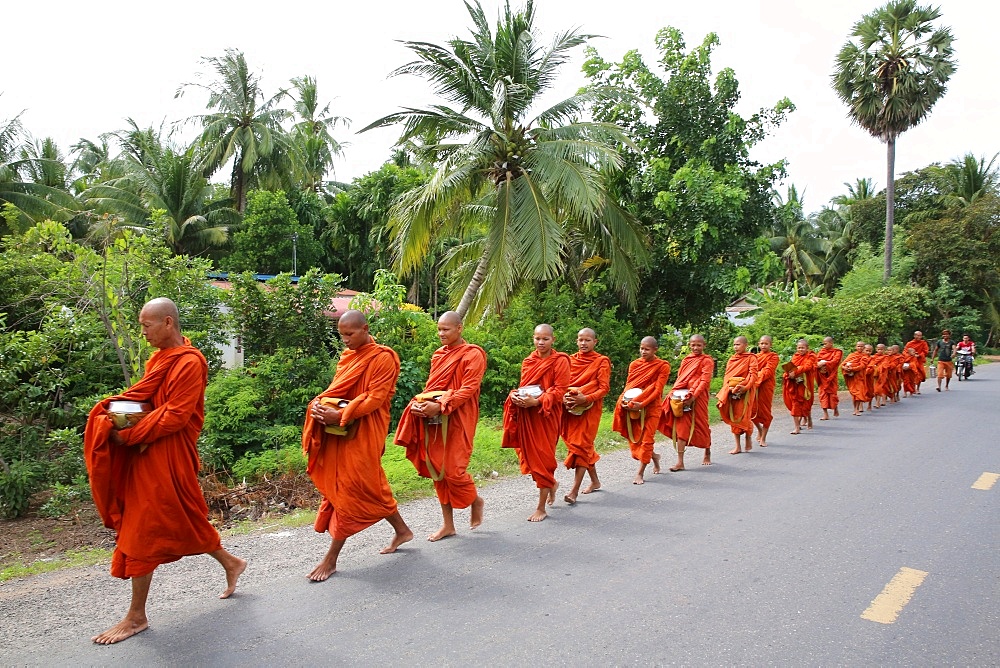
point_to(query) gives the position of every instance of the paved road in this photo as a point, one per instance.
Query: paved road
(764, 558)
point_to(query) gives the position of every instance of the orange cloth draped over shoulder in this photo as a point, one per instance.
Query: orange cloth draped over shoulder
(828, 377)
(910, 372)
(798, 396)
(896, 373)
(736, 411)
(151, 496)
(591, 374)
(767, 365)
(651, 377)
(695, 375)
(534, 432)
(880, 377)
(348, 471)
(458, 371)
(921, 349)
(855, 370)
(869, 377)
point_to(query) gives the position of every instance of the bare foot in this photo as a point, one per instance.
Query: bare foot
(656, 463)
(570, 499)
(707, 461)
(836, 412)
(592, 487)
(443, 532)
(552, 494)
(795, 433)
(675, 469)
(476, 514)
(762, 444)
(322, 572)
(638, 480)
(126, 628)
(537, 516)
(821, 419)
(737, 451)
(233, 574)
(748, 447)
(397, 540)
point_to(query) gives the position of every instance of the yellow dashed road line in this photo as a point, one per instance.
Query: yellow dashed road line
(887, 605)
(986, 481)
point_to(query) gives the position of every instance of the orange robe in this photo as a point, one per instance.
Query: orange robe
(458, 371)
(829, 380)
(534, 432)
(855, 370)
(767, 364)
(151, 497)
(798, 396)
(882, 365)
(651, 378)
(695, 374)
(348, 470)
(869, 377)
(911, 374)
(591, 374)
(736, 411)
(896, 374)
(921, 349)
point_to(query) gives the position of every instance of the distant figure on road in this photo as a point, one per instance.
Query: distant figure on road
(738, 397)
(532, 416)
(589, 382)
(767, 365)
(918, 347)
(870, 374)
(685, 410)
(344, 439)
(855, 370)
(799, 385)
(882, 363)
(144, 478)
(944, 354)
(827, 366)
(639, 408)
(438, 426)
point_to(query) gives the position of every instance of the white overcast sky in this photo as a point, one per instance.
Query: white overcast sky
(78, 69)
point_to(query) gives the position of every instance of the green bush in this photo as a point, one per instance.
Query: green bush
(254, 467)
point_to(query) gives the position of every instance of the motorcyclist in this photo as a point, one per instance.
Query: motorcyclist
(967, 347)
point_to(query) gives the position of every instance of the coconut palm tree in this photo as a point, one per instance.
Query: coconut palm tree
(861, 189)
(33, 201)
(514, 180)
(968, 179)
(796, 240)
(890, 73)
(313, 145)
(245, 126)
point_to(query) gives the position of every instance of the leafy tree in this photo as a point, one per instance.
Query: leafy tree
(520, 181)
(689, 178)
(32, 201)
(890, 73)
(313, 146)
(271, 239)
(243, 124)
(796, 241)
(968, 179)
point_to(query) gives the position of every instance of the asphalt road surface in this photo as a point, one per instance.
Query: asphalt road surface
(779, 556)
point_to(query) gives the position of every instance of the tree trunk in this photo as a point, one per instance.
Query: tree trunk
(477, 280)
(890, 205)
(237, 190)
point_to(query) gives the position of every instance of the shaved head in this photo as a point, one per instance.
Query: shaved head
(161, 308)
(353, 329)
(651, 342)
(450, 318)
(697, 337)
(741, 339)
(353, 318)
(160, 323)
(545, 329)
(588, 331)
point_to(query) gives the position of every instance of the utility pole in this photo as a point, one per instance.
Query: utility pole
(295, 255)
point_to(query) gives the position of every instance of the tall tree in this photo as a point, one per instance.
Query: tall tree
(313, 145)
(796, 241)
(521, 180)
(245, 125)
(890, 73)
(30, 198)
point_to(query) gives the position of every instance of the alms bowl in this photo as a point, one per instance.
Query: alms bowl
(125, 414)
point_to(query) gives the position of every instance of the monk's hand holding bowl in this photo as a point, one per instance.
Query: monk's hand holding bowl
(430, 409)
(115, 437)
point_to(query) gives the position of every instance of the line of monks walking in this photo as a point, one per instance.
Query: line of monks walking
(144, 479)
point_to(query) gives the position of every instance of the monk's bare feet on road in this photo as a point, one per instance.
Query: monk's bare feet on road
(552, 494)
(537, 516)
(443, 532)
(570, 499)
(675, 469)
(476, 516)
(126, 628)
(707, 459)
(656, 463)
(323, 571)
(592, 487)
(638, 479)
(824, 418)
(762, 444)
(748, 447)
(737, 451)
(795, 433)
(397, 540)
(836, 412)
(233, 574)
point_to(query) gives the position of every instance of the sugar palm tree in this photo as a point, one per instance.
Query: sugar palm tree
(513, 181)
(890, 73)
(244, 125)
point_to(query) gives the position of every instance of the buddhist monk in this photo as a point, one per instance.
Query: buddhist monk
(438, 426)
(919, 348)
(767, 364)
(855, 370)
(532, 416)
(881, 363)
(144, 478)
(637, 417)
(910, 374)
(896, 373)
(737, 398)
(589, 382)
(827, 367)
(869, 374)
(798, 384)
(689, 397)
(346, 467)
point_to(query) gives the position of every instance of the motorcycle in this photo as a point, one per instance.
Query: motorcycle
(963, 366)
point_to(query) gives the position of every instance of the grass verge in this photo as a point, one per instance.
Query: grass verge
(70, 559)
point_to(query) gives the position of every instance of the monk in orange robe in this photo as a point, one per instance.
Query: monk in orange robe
(881, 363)
(457, 369)
(895, 373)
(919, 348)
(910, 372)
(589, 382)
(689, 397)
(638, 417)
(737, 398)
(347, 467)
(532, 416)
(767, 365)
(870, 372)
(799, 384)
(855, 370)
(827, 366)
(144, 478)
